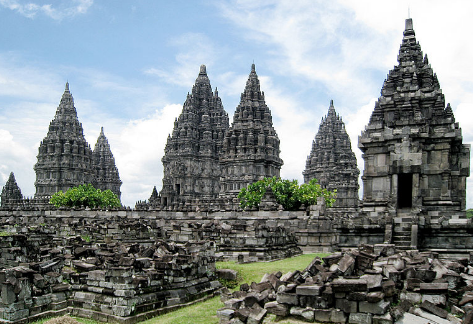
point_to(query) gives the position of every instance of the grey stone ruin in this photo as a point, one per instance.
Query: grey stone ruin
(415, 162)
(191, 169)
(251, 145)
(11, 193)
(106, 172)
(332, 161)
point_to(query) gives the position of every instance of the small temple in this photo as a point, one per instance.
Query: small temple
(332, 161)
(106, 172)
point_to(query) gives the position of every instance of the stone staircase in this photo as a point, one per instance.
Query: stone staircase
(402, 229)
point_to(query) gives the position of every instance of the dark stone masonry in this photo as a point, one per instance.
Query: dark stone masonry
(404, 252)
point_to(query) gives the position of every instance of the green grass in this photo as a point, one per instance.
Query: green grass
(249, 272)
(206, 312)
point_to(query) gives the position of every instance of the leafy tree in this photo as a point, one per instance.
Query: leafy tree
(288, 193)
(85, 195)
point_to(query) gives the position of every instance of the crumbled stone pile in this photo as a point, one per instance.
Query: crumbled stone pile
(369, 285)
(115, 282)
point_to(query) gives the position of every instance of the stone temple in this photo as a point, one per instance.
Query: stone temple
(332, 161)
(251, 145)
(11, 193)
(66, 160)
(106, 172)
(415, 162)
(191, 158)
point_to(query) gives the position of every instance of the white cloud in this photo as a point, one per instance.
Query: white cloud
(193, 50)
(138, 149)
(30, 9)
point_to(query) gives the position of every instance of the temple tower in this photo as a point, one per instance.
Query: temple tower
(251, 145)
(191, 155)
(332, 161)
(415, 162)
(11, 193)
(64, 157)
(106, 172)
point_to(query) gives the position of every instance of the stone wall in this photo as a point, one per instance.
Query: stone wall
(113, 282)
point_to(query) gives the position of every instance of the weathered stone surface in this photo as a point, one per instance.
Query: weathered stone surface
(360, 318)
(309, 290)
(227, 274)
(429, 316)
(428, 306)
(306, 313)
(349, 285)
(378, 308)
(276, 308)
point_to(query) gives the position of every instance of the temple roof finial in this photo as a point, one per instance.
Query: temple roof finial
(67, 86)
(409, 24)
(253, 68)
(203, 69)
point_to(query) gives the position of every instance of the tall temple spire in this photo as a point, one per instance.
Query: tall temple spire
(251, 145)
(411, 91)
(191, 168)
(64, 156)
(332, 161)
(106, 172)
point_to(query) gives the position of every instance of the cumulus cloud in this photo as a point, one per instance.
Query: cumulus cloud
(31, 9)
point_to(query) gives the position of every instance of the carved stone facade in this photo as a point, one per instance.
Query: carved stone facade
(332, 161)
(64, 156)
(191, 158)
(106, 172)
(415, 162)
(251, 146)
(11, 193)
(65, 159)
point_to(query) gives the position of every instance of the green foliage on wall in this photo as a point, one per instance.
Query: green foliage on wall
(469, 213)
(288, 193)
(86, 196)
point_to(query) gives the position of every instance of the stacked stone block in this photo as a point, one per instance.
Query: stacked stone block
(372, 284)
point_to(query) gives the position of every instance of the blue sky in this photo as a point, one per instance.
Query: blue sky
(130, 65)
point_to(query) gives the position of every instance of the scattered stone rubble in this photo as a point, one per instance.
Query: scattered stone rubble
(113, 282)
(369, 285)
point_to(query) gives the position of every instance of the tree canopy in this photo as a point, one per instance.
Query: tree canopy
(288, 193)
(87, 196)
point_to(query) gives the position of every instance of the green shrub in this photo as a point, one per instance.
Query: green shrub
(288, 193)
(469, 213)
(86, 196)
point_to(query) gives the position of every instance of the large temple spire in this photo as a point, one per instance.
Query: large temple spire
(64, 157)
(191, 169)
(251, 145)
